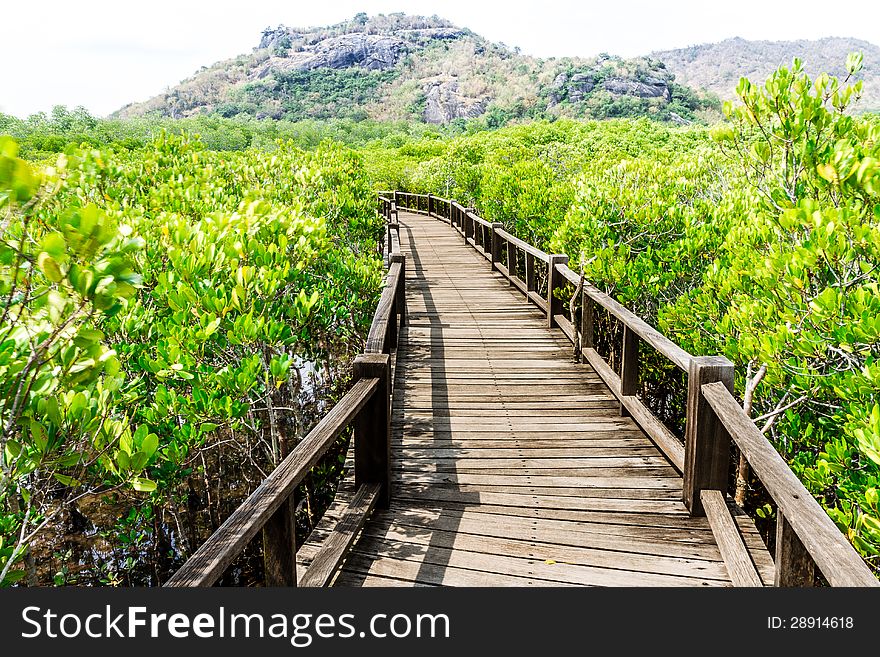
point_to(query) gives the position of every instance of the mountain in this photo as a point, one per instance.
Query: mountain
(717, 67)
(412, 67)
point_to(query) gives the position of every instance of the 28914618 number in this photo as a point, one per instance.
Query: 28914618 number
(811, 623)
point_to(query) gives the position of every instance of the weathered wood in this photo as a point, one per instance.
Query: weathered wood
(629, 367)
(794, 565)
(456, 537)
(511, 262)
(644, 330)
(335, 548)
(400, 290)
(662, 437)
(534, 251)
(832, 553)
(588, 314)
(539, 301)
(707, 443)
(279, 546)
(376, 339)
(554, 280)
(207, 564)
(492, 417)
(531, 284)
(736, 557)
(372, 427)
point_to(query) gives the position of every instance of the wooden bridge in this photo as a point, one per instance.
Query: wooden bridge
(484, 455)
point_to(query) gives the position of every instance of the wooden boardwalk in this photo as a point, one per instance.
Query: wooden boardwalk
(483, 455)
(512, 464)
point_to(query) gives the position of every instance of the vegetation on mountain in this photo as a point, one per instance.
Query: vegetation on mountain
(718, 67)
(400, 67)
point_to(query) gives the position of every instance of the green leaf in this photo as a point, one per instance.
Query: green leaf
(143, 485)
(67, 481)
(54, 245)
(150, 444)
(49, 267)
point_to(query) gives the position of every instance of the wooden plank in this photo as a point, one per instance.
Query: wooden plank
(636, 539)
(548, 571)
(663, 437)
(561, 553)
(736, 556)
(335, 548)
(521, 506)
(839, 562)
(206, 565)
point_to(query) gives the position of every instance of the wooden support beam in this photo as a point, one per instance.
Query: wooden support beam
(794, 565)
(588, 314)
(511, 261)
(707, 443)
(279, 546)
(554, 280)
(496, 240)
(629, 366)
(372, 427)
(531, 286)
(400, 295)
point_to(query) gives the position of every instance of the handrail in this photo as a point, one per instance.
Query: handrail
(805, 533)
(525, 246)
(640, 327)
(207, 564)
(821, 538)
(377, 339)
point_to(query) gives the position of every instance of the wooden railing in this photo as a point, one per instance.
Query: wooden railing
(366, 407)
(806, 538)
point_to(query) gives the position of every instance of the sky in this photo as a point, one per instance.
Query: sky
(104, 54)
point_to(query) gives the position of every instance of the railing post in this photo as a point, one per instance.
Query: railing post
(511, 260)
(707, 444)
(430, 205)
(372, 427)
(629, 366)
(469, 226)
(554, 279)
(794, 565)
(279, 541)
(531, 285)
(588, 310)
(393, 212)
(279, 546)
(495, 243)
(396, 196)
(400, 294)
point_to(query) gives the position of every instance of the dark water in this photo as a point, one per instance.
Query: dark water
(118, 540)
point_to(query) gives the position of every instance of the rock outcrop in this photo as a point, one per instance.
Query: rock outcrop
(649, 88)
(444, 103)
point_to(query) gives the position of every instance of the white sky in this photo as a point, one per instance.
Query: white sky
(103, 54)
